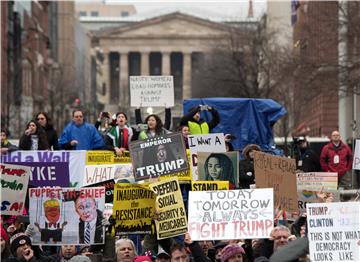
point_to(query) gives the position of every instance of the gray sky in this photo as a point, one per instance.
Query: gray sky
(225, 8)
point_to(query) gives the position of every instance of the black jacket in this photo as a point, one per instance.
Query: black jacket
(25, 143)
(309, 160)
(52, 138)
(246, 173)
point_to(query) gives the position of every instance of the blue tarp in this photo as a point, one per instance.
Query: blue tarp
(249, 120)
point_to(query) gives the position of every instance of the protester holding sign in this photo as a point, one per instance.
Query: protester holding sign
(167, 122)
(154, 128)
(196, 124)
(119, 137)
(34, 137)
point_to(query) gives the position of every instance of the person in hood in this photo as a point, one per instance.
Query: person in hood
(196, 124)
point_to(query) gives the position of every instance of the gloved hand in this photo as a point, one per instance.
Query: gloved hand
(30, 230)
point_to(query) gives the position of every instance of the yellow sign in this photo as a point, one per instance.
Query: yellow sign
(172, 219)
(134, 207)
(209, 185)
(106, 158)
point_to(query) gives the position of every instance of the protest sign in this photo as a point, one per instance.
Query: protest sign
(278, 173)
(109, 189)
(334, 231)
(14, 184)
(98, 157)
(67, 215)
(317, 181)
(231, 214)
(209, 185)
(51, 168)
(169, 202)
(219, 167)
(308, 196)
(100, 173)
(163, 155)
(183, 176)
(356, 160)
(134, 207)
(213, 143)
(152, 91)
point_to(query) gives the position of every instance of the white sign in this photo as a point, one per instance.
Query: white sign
(334, 231)
(100, 173)
(231, 214)
(356, 161)
(213, 143)
(152, 91)
(317, 181)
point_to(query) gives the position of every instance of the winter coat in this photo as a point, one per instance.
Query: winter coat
(200, 127)
(330, 153)
(52, 138)
(86, 134)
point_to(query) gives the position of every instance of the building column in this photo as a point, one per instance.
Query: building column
(187, 75)
(106, 75)
(165, 64)
(124, 80)
(145, 64)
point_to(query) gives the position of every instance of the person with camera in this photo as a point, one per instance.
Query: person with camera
(306, 158)
(104, 123)
(196, 124)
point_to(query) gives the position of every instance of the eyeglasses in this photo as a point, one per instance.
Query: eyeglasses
(280, 237)
(41, 118)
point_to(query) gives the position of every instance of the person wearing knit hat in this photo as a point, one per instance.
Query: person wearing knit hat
(20, 246)
(232, 253)
(142, 259)
(246, 166)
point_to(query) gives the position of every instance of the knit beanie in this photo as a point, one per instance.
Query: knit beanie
(79, 258)
(142, 258)
(4, 235)
(18, 240)
(231, 250)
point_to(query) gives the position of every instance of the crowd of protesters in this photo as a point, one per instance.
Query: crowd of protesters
(288, 240)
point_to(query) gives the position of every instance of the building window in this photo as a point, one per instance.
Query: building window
(94, 13)
(124, 13)
(82, 13)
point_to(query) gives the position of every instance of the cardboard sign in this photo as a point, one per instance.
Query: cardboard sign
(209, 185)
(172, 219)
(231, 214)
(51, 168)
(212, 143)
(159, 156)
(334, 231)
(152, 91)
(277, 173)
(317, 181)
(356, 160)
(14, 184)
(134, 207)
(67, 215)
(219, 167)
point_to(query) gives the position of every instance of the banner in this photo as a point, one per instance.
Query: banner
(14, 184)
(317, 181)
(213, 143)
(169, 203)
(51, 168)
(209, 185)
(152, 91)
(277, 173)
(356, 160)
(231, 214)
(219, 167)
(159, 156)
(134, 207)
(334, 231)
(67, 215)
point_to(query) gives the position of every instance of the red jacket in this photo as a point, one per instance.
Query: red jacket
(328, 155)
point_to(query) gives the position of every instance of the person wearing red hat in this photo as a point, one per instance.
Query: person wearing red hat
(142, 259)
